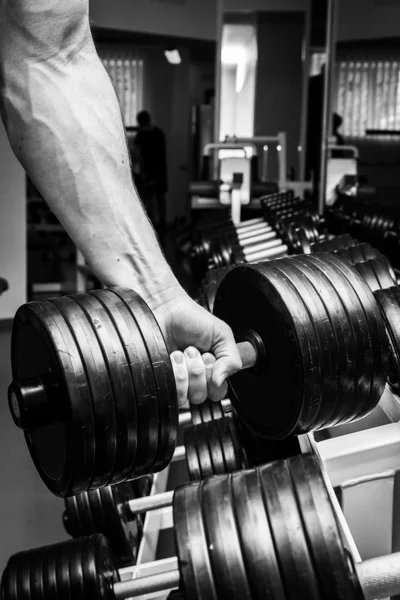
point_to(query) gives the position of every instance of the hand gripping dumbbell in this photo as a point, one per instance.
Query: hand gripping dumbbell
(94, 389)
(269, 532)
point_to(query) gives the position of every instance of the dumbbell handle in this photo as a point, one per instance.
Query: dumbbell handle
(379, 578)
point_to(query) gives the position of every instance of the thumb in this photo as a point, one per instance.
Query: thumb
(228, 359)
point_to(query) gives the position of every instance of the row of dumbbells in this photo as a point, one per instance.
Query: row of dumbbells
(372, 222)
(215, 442)
(268, 532)
(274, 235)
(372, 265)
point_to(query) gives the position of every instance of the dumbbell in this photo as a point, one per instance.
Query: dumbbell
(93, 368)
(106, 511)
(389, 303)
(205, 243)
(269, 532)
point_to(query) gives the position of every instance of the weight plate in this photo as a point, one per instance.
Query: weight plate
(223, 540)
(368, 274)
(9, 580)
(322, 530)
(203, 451)
(246, 299)
(119, 373)
(100, 387)
(192, 546)
(24, 576)
(192, 459)
(233, 456)
(145, 393)
(382, 273)
(355, 254)
(99, 571)
(308, 341)
(126, 405)
(211, 435)
(361, 343)
(390, 308)
(377, 335)
(74, 525)
(62, 554)
(87, 517)
(201, 413)
(42, 345)
(339, 325)
(255, 537)
(77, 584)
(120, 525)
(164, 376)
(299, 577)
(37, 566)
(325, 339)
(50, 574)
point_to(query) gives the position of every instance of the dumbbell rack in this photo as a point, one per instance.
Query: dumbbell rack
(363, 457)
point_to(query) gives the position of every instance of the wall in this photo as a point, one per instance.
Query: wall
(12, 229)
(280, 79)
(190, 18)
(265, 5)
(368, 19)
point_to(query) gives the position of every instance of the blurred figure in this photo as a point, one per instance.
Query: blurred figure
(151, 172)
(336, 125)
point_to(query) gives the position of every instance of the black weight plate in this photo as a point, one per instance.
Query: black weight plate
(382, 272)
(308, 341)
(146, 393)
(203, 451)
(63, 452)
(119, 373)
(247, 300)
(233, 455)
(361, 344)
(321, 529)
(211, 434)
(24, 576)
(62, 553)
(77, 584)
(390, 309)
(217, 411)
(368, 274)
(201, 413)
(89, 555)
(126, 406)
(255, 537)
(298, 574)
(192, 545)
(377, 334)
(37, 566)
(50, 574)
(325, 338)
(340, 326)
(223, 541)
(117, 529)
(100, 387)
(356, 254)
(107, 573)
(192, 459)
(85, 512)
(75, 526)
(164, 375)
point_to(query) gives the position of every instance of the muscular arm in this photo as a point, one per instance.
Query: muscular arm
(63, 121)
(64, 124)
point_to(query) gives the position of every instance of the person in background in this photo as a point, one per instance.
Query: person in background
(336, 125)
(151, 174)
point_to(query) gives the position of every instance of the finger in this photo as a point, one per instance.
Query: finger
(197, 376)
(228, 357)
(214, 393)
(181, 376)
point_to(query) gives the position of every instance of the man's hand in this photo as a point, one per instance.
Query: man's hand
(203, 350)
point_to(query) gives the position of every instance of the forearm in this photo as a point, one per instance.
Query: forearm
(64, 123)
